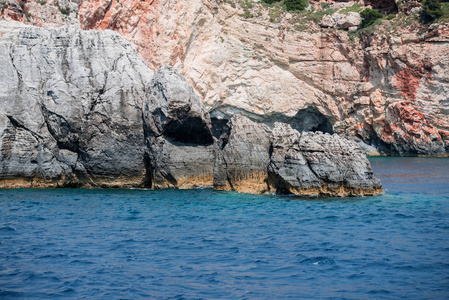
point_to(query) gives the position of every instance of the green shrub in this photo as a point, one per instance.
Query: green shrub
(295, 4)
(247, 14)
(300, 27)
(270, 1)
(445, 17)
(355, 8)
(275, 15)
(65, 11)
(230, 3)
(329, 11)
(246, 4)
(430, 10)
(325, 5)
(369, 16)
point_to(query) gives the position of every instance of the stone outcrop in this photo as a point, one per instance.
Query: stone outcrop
(243, 157)
(81, 108)
(342, 21)
(252, 158)
(180, 145)
(267, 70)
(312, 163)
(70, 108)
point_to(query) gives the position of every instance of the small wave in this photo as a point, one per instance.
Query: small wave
(81, 261)
(318, 261)
(10, 294)
(53, 256)
(402, 216)
(376, 292)
(7, 228)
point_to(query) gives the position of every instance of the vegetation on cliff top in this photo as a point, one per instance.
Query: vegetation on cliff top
(290, 5)
(369, 17)
(434, 11)
(301, 16)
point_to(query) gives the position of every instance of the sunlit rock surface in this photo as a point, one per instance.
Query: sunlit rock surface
(70, 107)
(82, 109)
(269, 71)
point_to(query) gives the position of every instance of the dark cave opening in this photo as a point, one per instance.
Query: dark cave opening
(219, 126)
(384, 6)
(310, 119)
(307, 119)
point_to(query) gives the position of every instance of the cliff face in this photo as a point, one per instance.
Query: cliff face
(81, 108)
(388, 89)
(70, 108)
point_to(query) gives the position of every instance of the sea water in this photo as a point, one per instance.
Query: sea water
(203, 244)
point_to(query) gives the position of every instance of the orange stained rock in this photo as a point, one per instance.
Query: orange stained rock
(407, 81)
(138, 22)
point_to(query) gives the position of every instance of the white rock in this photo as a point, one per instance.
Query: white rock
(328, 21)
(350, 19)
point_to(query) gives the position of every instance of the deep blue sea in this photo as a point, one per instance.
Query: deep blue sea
(203, 244)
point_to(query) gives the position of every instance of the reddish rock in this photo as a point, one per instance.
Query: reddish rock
(407, 81)
(409, 132)
(12, 11)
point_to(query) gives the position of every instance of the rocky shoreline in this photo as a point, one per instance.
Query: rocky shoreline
(81, 109)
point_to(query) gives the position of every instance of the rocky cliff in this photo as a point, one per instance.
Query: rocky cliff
(70, 107)
(386, 88)
(81, 108)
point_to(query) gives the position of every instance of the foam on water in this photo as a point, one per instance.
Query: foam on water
(197, 244)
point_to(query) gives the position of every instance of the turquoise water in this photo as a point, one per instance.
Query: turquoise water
(202, 244)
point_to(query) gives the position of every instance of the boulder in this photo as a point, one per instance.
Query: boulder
(350, 19)
(328, 21)
(341, 21)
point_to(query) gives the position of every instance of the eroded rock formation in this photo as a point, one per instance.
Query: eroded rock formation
(180, 145)
(312, 163)
(252, 158)
(70, 107)
(81, 108)
(265, 69)
(243, 157)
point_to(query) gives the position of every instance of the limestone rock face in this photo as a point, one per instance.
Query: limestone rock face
(252, 158)
(313, 163)
(70, 108)
(81, 108)
(174, 164)
(180, 149)
(243, 157)
(270, 72)
(174, 110)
